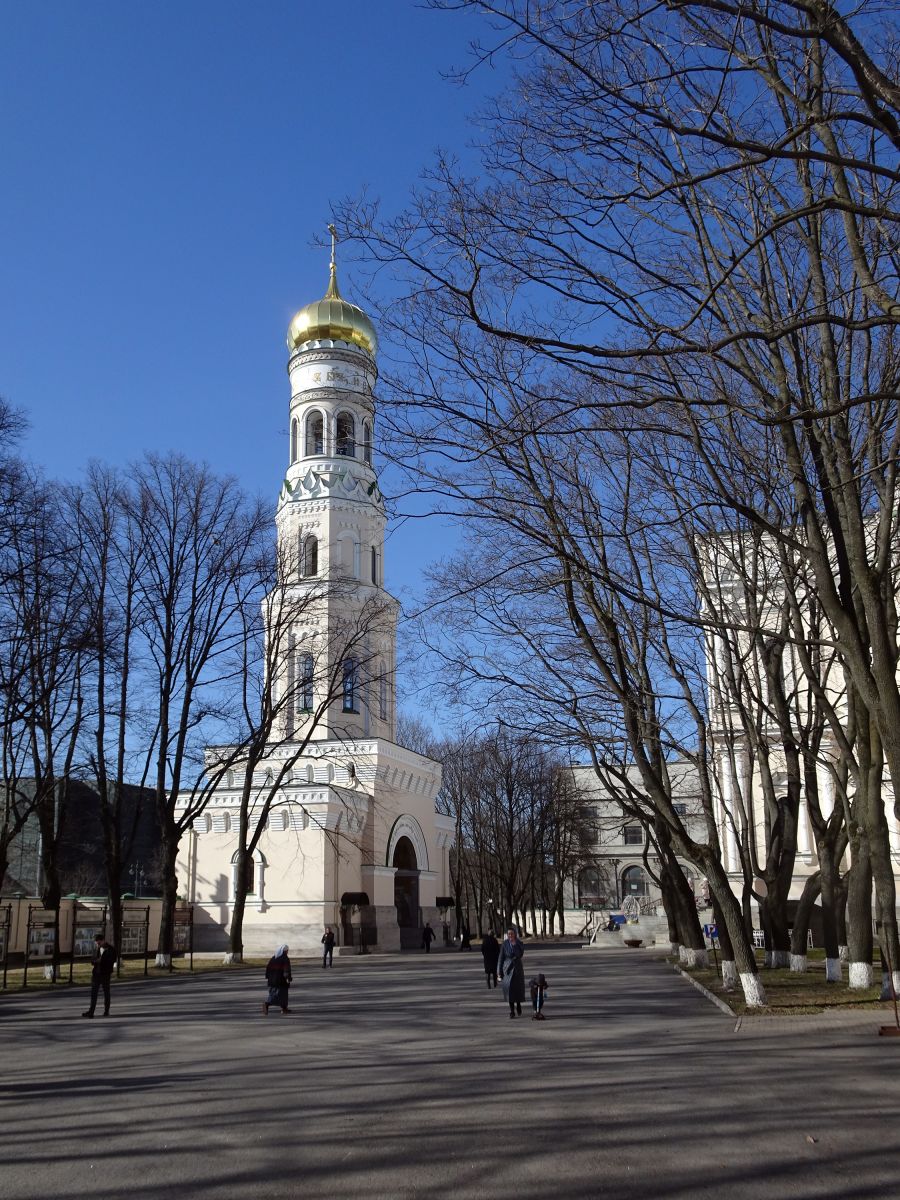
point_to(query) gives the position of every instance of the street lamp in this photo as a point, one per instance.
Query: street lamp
(138, 877)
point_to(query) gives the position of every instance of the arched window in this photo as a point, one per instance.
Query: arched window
(382, 693)
(305, 696)
(589, 886)
(310, 773)
(295, 438)
(374, 565)
(634, 882)
(315, 434)
(346, 435)
(348, 690)
(255, 876)
(310, 556)
(367, 443)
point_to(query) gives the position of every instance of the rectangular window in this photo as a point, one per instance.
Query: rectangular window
(305, 692)
(633, 835)
(349, 685)
(383, 699)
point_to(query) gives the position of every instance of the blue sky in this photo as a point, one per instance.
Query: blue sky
(167, 167)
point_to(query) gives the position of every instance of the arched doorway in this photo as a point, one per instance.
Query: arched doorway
(406, 884)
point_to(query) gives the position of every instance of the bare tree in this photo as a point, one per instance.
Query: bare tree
(686, 220)
(200, 542)
(112, 555)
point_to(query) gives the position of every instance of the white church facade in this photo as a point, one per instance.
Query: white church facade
(352, 839)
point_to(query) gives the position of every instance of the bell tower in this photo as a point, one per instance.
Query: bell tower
(331, 521)
(343, 820)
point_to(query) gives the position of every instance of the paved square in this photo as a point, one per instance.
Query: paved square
(404, 1077)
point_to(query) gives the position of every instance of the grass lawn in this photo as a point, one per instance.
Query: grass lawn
(791, 993)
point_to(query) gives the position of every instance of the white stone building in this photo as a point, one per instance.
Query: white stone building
(353, 841)
(617, 870)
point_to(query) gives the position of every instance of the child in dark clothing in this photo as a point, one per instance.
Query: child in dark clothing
(538, 985)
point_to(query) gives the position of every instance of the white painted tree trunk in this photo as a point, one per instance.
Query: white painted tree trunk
(799, 963)
(844, 953)
(860, 975)
(49, 973)
(693, 958)
(781, 959)
(832, 970)
(232, 958)
(886, 985)
(754, 992)
(729, 975)
(163, 960)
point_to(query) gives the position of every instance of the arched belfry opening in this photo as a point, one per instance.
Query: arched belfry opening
(406, 885)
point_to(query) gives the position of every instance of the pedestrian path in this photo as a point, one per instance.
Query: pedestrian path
(405, 1078)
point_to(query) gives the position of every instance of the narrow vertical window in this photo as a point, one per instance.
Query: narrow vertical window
(349, 685)
(305, 696)
(295, 438)
(383, 695)
(346, 435)
(367, 443)
(290, 685)
(374, 565)
(310, 556)
(315, 434)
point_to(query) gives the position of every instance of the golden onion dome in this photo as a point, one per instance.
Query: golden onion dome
(332, 318)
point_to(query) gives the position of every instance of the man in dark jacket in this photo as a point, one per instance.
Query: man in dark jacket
(104, 961)
(328, 943)
(427, 937)
(490, 952)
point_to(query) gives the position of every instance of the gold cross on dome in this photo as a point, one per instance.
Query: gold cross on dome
(334, 238)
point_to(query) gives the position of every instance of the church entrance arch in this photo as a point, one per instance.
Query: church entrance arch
(406, 883)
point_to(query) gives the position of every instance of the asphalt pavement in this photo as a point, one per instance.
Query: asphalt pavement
(404, 1077)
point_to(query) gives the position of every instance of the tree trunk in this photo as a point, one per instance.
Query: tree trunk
(773, 914)
(811, 890)
(830, 888)
(692, 944)
(732, 921)
(859, 913)
(729, 968)
(169, 896)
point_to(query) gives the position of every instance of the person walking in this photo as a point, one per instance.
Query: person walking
(511, 973)
(490, 952)
(328, 952)
(101, 973)
(278, 977)
(427, 937)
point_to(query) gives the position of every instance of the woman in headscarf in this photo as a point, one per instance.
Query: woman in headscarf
(511, 973)
(278, 977)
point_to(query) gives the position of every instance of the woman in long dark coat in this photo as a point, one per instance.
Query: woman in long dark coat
(511, 973)
(490, 952)
(278, 977)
